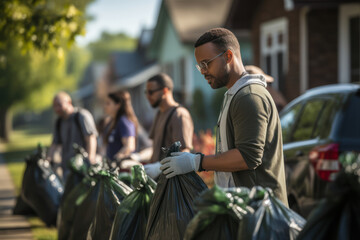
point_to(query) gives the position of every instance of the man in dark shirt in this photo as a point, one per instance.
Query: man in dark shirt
(74, 125)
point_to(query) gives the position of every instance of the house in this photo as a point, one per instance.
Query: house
(130, 71)
(84, 96)
(302, 43)
(179, 25)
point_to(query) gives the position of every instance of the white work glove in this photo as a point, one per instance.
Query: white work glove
(180, 163)
(153, 169)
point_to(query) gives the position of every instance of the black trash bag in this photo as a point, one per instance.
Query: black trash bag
(271, 219)
(22, 208)
(219, 212)
(111, 193)
(337, 216)
(41, 188)
(81, 201)
(79, 166)
(172, 206)
(132, 214)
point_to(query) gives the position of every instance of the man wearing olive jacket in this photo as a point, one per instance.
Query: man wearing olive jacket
(249, 140)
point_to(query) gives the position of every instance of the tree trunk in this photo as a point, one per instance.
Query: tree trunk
(5, 123)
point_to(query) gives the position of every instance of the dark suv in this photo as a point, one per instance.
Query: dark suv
(317, 127)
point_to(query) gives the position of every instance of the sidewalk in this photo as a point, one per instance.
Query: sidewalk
(11, 226)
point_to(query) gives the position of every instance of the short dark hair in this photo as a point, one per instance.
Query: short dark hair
(223, 38)
(163, 80)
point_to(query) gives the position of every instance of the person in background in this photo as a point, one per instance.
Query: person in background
(120, 132)
(172, 123)
(74, 125)
(249, 150)
(279, 99)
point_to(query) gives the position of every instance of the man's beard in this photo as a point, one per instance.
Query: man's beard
(221, 81)
(157, 103)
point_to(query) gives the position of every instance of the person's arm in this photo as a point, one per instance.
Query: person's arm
(230, 161)
(127, 148)
(185, 150)
(183, 162)
(91, 143)
(250, 124)
(142, 156)
(51, 151)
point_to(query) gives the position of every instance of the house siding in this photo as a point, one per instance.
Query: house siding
(323, 42)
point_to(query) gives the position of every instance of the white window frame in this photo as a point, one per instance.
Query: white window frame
(272, 28)
(347, 11)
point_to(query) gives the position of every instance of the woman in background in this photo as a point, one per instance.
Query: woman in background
(121, 131)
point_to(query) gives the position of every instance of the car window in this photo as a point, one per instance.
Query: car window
(325, 119)
(306, 126)
(288, 120)
(350, 127)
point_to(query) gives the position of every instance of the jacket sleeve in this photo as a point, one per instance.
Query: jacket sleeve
(249, 116)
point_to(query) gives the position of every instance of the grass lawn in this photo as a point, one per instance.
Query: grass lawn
(23, 142)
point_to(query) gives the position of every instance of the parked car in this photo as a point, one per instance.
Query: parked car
(317, 127)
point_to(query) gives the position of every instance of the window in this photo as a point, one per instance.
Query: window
(350, 127)
(273, 50)
(288, 121)
(306, 127)
(349, 43)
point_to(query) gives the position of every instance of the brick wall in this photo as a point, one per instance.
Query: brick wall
(322, 44)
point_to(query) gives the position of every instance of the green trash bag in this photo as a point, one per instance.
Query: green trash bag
(80, 202)
(219, 212)
(111, 193)
(172, 206)
(126, 178)
(132, 214)
(337, 216)
(271, 219)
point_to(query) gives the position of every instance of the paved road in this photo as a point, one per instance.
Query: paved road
(11, 226)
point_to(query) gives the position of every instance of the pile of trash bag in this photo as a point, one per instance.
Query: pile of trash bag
(270, 218)
(42, 189)
(337, 216)
(91, 205)
(172, 206)
(219, 212)
(132, 214)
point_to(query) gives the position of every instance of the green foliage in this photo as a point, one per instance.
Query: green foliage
(108, 43)
(41, 24)
(28, 27)
(198, 106)
(36, 76)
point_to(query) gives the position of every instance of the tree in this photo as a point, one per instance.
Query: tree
(28, 27)
(108, 43)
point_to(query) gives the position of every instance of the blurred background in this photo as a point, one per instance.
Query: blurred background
(91, 47)
(87, 47)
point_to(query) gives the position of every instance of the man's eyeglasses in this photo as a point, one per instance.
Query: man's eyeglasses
(151, 92)
(205, 64)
